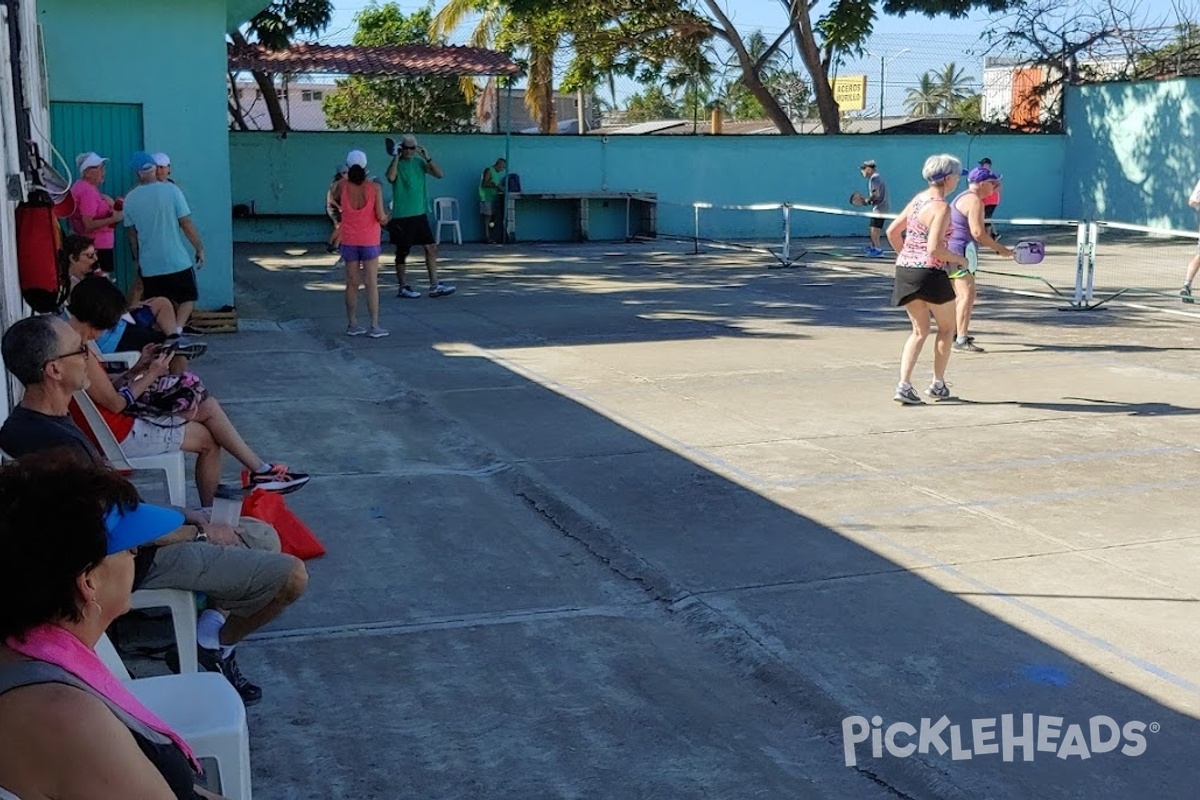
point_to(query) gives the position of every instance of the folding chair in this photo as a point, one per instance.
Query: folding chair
(204, 709)
(445, 212)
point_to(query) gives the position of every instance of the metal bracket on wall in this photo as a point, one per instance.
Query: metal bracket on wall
(15, 187)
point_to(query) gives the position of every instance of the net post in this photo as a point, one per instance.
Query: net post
(696, 233)
(787, 233)
(1093, 235)
(1081, 236)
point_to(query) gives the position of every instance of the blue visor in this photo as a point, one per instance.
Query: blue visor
(139, 525)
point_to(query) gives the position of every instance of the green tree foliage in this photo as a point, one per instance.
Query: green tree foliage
(924, 99)
(941, 93)
(275, 27)
(422, 104)
(620, 35)
(650, 104)
(1180, 57)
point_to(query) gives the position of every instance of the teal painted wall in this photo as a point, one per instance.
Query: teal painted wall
(1133, 154)
(290, 175)
(170, 58)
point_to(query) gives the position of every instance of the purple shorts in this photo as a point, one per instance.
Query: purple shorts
(360, 252)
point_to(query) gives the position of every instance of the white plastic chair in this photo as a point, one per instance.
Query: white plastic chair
(202, 708)
(182, 604)
(171, 464)
(445, 212)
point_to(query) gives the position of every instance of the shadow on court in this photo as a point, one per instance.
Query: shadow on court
(553, 571)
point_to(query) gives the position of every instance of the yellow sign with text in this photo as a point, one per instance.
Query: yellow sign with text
(850, 92)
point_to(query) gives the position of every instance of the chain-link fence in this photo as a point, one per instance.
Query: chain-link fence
(934, 83)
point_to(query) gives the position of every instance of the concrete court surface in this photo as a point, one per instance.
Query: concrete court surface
(615, 521)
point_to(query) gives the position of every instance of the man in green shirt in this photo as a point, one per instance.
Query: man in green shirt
(410, 223)
(489, 188)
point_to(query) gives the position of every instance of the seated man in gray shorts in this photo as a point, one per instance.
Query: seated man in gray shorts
(246, 587)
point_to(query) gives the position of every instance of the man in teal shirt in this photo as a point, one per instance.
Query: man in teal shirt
(410, 223)
(157, 220)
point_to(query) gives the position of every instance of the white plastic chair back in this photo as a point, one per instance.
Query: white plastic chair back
(111, 658)
(445, 212)
(109, 445)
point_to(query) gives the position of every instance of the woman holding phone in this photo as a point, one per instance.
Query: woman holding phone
(363, 218)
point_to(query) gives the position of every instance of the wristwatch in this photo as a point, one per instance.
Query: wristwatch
(201, 536)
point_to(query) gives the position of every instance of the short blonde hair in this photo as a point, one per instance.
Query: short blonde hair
(938, 168)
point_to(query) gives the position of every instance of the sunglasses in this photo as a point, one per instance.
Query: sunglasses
(408, 147)
(83, 350)
(89, 254)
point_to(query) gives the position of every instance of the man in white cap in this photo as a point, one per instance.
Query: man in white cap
(162, 167)
(96, 214)
(410, 222)
(156, 213)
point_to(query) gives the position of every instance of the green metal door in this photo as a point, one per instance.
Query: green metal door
(114, 130)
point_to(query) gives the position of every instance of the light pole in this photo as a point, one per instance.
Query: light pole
(882, 75)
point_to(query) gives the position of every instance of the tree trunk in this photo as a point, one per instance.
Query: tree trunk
(266, 86)
(802, 29)
(236, 114)
(750, 72)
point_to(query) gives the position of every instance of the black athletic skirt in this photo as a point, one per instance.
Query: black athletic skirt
(922, 283)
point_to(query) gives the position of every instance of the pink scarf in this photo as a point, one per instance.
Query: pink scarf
(55, 645)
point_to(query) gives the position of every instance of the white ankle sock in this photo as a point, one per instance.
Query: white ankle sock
(208, 629)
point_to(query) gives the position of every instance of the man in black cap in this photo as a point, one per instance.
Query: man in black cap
(878, 200)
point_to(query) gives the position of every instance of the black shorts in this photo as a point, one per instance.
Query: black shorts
(877, 222)
(406, 232)
(988, 211)
(105, 261)
(135, 337)
(922, 283)
(178, 287)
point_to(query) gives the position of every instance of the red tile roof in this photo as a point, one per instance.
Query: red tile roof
(412, 59)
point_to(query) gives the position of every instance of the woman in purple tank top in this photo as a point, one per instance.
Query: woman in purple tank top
(968, 230)
(922, 285)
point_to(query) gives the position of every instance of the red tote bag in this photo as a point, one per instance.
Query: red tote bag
(295, 538)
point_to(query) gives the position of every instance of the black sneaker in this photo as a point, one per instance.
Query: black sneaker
(278, 478)
(212, 661)
(190, 331)
(1186, 294)
(968, 346)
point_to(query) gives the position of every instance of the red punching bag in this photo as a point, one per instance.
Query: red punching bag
(38, 241)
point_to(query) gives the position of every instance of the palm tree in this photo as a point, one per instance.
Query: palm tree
(924, 99)
(536, 33)
(953, 86)
(487, 28)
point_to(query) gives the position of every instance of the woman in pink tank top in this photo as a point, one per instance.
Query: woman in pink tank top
(922, 285)
(363, 217)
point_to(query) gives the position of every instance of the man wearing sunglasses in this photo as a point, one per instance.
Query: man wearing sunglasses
(247, 580)
(410, 222)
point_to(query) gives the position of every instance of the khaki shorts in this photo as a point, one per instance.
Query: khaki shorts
(237, 580)
(254, 533)
(154, 436)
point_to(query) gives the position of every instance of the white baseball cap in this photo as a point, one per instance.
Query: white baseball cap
(87, 161)
(161, 160)
(356, 158)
